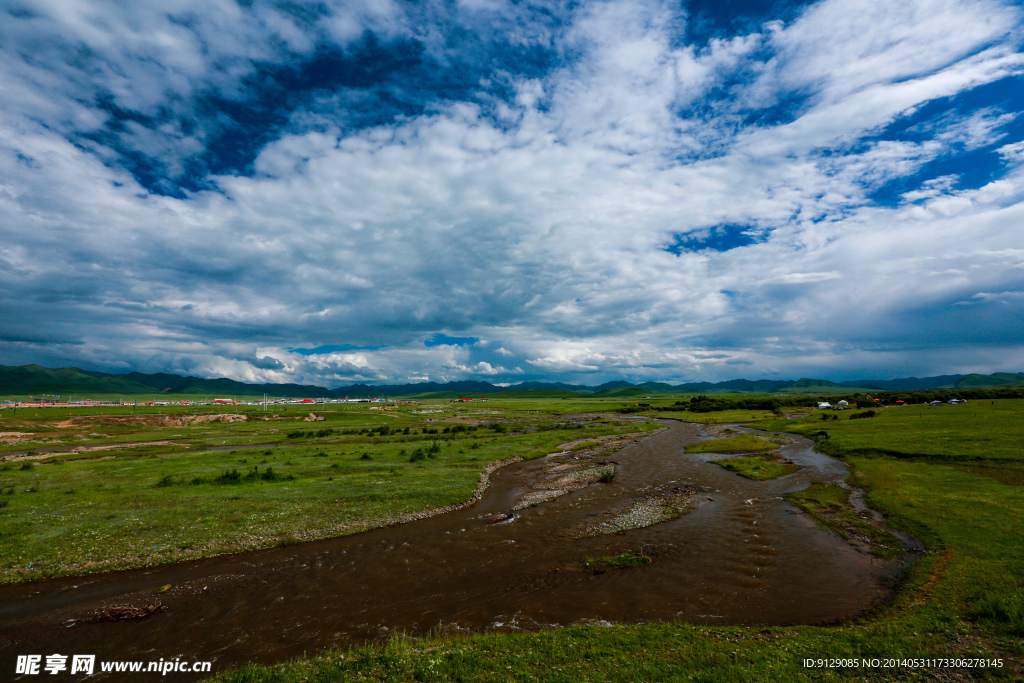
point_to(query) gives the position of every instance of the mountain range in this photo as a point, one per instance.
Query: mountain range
(37, 380)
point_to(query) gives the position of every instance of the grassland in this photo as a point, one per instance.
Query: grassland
(759, 467)
(742, 443)
(188, 490)
(986, 432)
(949, 476)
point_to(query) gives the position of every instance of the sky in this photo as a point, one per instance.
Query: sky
(389, 192)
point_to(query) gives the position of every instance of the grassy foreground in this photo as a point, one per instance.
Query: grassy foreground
(951, 479)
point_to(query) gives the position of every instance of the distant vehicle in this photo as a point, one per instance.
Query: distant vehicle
(957, 401)
(935, 403)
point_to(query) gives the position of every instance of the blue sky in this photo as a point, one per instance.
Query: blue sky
(389, 192)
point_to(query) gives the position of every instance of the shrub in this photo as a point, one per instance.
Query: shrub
(269, 474)
(365, 456)
(166, 480)
(607, 476)
(417, 455)
(866, 413)
(229, 477)
(27, 466)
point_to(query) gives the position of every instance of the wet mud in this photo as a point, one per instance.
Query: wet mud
(737, 553)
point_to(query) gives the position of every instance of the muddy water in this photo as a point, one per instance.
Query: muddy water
(742, 556)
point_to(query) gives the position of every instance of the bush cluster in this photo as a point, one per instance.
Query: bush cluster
(424, 453)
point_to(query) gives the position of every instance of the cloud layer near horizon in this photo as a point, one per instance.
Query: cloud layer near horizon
(498, 191)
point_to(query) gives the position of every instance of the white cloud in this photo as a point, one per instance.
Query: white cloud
(536, 224)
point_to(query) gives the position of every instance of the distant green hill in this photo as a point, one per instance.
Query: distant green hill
(814, 386)
(37, 380)
(27, 380)
(975, 381)
(624, 392)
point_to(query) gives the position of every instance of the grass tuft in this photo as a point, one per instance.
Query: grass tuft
(616, 561)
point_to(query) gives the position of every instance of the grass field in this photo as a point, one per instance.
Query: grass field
(208, 488)
(759, 467)
(743, 443)
(948, 476)
(989, 431)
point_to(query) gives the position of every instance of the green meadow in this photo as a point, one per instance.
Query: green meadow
(759, 467)
(743, 443)
(135, 495)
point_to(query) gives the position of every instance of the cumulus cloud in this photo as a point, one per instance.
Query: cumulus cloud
(358, 198)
